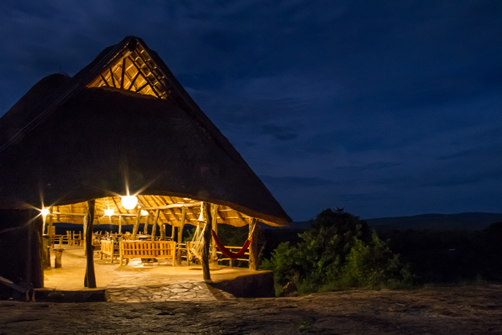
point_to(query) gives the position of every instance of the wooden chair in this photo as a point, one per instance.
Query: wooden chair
(69, 238)
(109, 248)
(77, 238)
(52, 235)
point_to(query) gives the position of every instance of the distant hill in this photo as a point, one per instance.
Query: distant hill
(461, 221)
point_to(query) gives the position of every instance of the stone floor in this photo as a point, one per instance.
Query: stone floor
(142, 282)
(137, 288)
(174, 292)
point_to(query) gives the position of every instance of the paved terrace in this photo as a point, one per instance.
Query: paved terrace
(140, 282)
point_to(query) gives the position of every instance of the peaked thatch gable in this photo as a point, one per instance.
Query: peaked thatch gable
(69, 141)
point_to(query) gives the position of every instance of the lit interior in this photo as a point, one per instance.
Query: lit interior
(111, 210)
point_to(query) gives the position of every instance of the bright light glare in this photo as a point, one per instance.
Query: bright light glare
(129, 201)
(45, 211)
(109, 212)
(143, 212)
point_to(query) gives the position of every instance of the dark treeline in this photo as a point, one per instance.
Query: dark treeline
(449, 256)
(442, 257)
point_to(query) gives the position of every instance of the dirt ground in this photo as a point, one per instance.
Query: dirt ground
(458, 310)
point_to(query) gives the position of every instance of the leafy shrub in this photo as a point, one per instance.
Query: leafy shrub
(338, 251)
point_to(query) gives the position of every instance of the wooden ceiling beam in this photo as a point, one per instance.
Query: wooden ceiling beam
(113, 77)
(123, 73)
(133, 80)
(154, 198)
(170, 209)
(104, 80)
(186, 205)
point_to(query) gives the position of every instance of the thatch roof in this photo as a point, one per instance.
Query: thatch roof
(70, 141)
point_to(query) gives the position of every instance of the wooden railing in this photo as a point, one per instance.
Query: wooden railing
(147, 249)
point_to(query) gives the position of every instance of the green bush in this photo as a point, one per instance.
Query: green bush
(283, 264)
(337, 252)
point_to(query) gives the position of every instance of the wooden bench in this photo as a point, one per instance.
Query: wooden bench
(146, 249)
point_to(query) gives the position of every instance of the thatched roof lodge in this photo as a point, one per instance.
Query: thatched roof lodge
(121, 126)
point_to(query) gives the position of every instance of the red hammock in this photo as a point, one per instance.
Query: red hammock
(227, 252)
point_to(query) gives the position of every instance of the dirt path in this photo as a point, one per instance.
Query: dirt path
(460, 310)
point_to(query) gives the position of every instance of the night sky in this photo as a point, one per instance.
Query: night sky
(385, 108)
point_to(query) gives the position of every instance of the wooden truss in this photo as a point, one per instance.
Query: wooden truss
(136, 72)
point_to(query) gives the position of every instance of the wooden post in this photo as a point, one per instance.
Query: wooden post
(155, 223)
(254, 230)
(207, 242)
(214, 216)
(136, 224)
(162, 231)
(146, 224)
(90, 277)
(84, 224)
(120, 224)
(50, 233)
(180, 234)
(45, 226)
(34, 266)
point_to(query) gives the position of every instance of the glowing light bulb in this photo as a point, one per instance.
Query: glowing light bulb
(129, 201)
(143, 212)
(109, 212)
(45, 211)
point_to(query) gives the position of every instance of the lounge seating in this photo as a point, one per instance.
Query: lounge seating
(147, 249)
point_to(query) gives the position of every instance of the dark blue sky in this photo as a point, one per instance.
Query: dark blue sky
(385, 108)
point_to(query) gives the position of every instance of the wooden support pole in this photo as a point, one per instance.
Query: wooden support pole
(136, 224)
(45, 226)
(120, 224)
(50, 233)
(145, 227)
(207, 242)
(84, 232)
(214, 217)
(180, 234)
(162, 231)
(254, 230)
(34, 265)
(155, 223)
(90, 277)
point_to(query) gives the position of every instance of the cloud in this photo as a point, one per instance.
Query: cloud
(456, 179)
(362, 105)
(475, 153)
(370, 166)
(295, 182)
(279, 133)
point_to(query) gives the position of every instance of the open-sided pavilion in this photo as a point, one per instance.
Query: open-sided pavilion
(122, 142)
